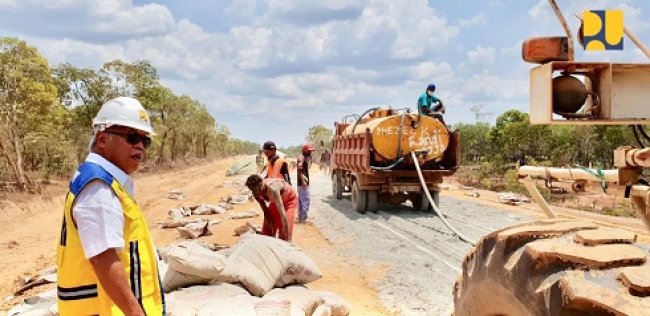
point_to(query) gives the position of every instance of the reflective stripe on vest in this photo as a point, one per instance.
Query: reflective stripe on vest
(275, 167)
(78, 288)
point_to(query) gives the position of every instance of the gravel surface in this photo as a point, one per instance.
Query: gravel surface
(422, 255)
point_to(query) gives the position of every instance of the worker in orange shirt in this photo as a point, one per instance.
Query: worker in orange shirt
(277, 166)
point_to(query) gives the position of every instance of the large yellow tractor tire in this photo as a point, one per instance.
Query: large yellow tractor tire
(555, 267)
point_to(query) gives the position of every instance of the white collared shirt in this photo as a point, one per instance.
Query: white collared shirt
(98, 212)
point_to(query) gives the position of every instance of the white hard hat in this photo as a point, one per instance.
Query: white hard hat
(123, 111)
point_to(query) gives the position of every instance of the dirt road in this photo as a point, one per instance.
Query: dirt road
(420, 256)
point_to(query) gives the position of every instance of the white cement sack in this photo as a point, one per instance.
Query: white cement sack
(256, 262)
(238, 199)
(322, 310)
(207, 209)
(338, 305)
(193, 259)
(243, 305)
(273, 307)
(303, 301)
(172, 279)
(177, 213)
(191, 300)
(195, 230)
(300, 269)
(38, 305)
(243, 214)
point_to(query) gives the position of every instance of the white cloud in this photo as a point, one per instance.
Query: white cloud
(479, 19)
(539, 8)
(481, 55)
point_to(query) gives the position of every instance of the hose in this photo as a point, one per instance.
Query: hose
(393, 165)
(636, 136)
(435, 207)
(643, 132)
(360, 117)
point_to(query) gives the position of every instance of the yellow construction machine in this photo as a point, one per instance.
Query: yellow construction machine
(561, 266)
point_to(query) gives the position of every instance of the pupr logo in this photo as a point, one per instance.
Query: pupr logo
(603, 30)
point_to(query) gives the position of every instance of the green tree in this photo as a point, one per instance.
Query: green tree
(27, 97)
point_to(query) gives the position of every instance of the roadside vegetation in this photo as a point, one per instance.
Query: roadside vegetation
(490, 154)
(46, 113)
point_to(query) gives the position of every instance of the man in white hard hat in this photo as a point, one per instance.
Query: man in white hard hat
(106, 260)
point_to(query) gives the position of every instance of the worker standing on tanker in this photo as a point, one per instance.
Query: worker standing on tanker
(304, 162)
(278, 201)
(277, 166)
(429, 104)
(106, 260)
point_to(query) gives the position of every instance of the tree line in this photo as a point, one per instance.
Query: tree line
(513, 139)
(46, 115)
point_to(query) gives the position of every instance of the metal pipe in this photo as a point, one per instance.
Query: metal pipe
(567, 173)
(565, 26)
(534, 193)
(636, 42)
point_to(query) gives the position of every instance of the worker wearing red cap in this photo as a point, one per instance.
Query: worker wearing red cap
(304, 161)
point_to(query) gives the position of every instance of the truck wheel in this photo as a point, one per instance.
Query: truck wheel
(337, 186)
(372, 200)
(554, 267)
(359, 198)
(420, 202)
(435, 195)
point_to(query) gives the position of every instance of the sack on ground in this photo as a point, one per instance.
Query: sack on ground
(173, 280)
(195, 230)
(191, 300)
(338, 305)
(300, 269)
(256, 262)
(303, 301)
(194, 259)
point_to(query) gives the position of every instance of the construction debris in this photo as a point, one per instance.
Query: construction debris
(238, 198)
(246, 228)
(207, 209)
(512, 198)
(243, 214)
(43, 304)
(46, 276)
(474, 194)
(176, 194)
(195, 230)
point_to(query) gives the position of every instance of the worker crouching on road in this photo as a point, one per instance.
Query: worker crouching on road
(277, 166)
(278, 201)
(106, 260)
(304, 162)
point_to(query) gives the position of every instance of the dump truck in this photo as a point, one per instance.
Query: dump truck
(371, 158)
(561, 266)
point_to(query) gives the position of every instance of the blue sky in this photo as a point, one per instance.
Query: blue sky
(270, 69)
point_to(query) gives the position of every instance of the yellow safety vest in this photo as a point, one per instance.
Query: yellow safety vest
(79, 291)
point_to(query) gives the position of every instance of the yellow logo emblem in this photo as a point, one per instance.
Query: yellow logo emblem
(603, 30)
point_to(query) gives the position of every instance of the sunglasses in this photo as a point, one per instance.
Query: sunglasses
(133, 138)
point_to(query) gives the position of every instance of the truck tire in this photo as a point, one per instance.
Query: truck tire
(337, 186)
(554, 267)
(359, 198)
(420, 202)
(372, 201)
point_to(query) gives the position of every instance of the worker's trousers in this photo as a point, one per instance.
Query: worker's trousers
(303, 202)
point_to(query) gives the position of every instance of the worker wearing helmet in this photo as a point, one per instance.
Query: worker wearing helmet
(278, 201)
(429, 104)
(106, 260)
(304, 162)
(277, 166)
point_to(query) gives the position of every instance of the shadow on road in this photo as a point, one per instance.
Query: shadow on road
(385, 211)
